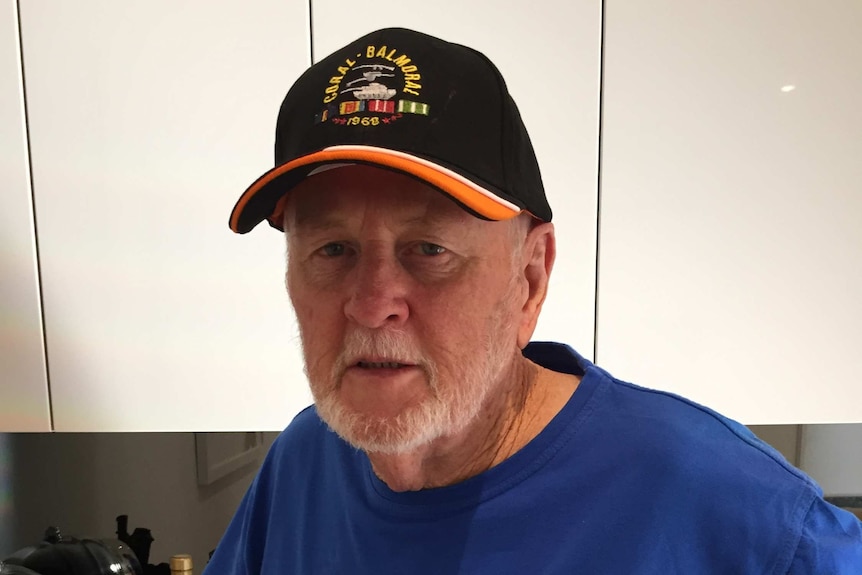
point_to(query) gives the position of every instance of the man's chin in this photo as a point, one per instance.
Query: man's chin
(389, 435)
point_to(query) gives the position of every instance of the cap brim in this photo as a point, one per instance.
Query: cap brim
(263, 199)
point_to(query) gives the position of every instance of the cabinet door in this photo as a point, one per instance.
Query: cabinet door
(23, 384)
(147, 122)
(730, 263)
(549, 55)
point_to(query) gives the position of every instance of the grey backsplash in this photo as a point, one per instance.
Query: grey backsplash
(82, 481)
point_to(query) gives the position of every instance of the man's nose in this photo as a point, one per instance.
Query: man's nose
(377, 291)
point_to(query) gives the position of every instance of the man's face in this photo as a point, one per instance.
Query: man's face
(408, 306)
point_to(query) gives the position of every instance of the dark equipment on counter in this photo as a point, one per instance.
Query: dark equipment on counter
(59, 555)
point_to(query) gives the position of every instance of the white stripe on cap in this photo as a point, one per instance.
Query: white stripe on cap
(327, 167)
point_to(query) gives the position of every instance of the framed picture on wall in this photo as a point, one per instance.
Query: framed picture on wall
(219, 454)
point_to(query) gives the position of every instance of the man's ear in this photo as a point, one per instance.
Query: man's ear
(540, 249)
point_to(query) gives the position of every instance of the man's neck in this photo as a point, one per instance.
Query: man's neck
(509, 421)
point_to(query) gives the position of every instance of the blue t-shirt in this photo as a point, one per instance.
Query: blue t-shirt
(623, 480)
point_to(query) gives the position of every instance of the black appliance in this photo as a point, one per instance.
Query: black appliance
(59, 555)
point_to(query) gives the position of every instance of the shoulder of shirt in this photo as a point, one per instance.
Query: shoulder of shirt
(693, 425)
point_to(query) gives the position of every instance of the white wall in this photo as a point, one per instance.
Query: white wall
(81, 482)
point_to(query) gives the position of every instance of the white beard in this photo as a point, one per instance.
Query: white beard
(449, 410)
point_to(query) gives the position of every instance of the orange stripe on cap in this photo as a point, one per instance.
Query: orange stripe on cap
(462, 189)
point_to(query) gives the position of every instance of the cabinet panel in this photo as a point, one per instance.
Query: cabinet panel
(549, 54)
(147, 121)
(23, 384)
(730, 241)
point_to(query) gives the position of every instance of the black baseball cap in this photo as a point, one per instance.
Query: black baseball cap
(409, 102)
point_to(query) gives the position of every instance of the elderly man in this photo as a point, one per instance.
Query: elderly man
(442, 440)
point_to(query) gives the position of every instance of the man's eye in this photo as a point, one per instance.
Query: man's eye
(431, 249)
(332, 250)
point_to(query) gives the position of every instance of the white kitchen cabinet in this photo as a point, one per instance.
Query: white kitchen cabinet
(730, 266)
(24, 402)
(549, 54)
(147, 121)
